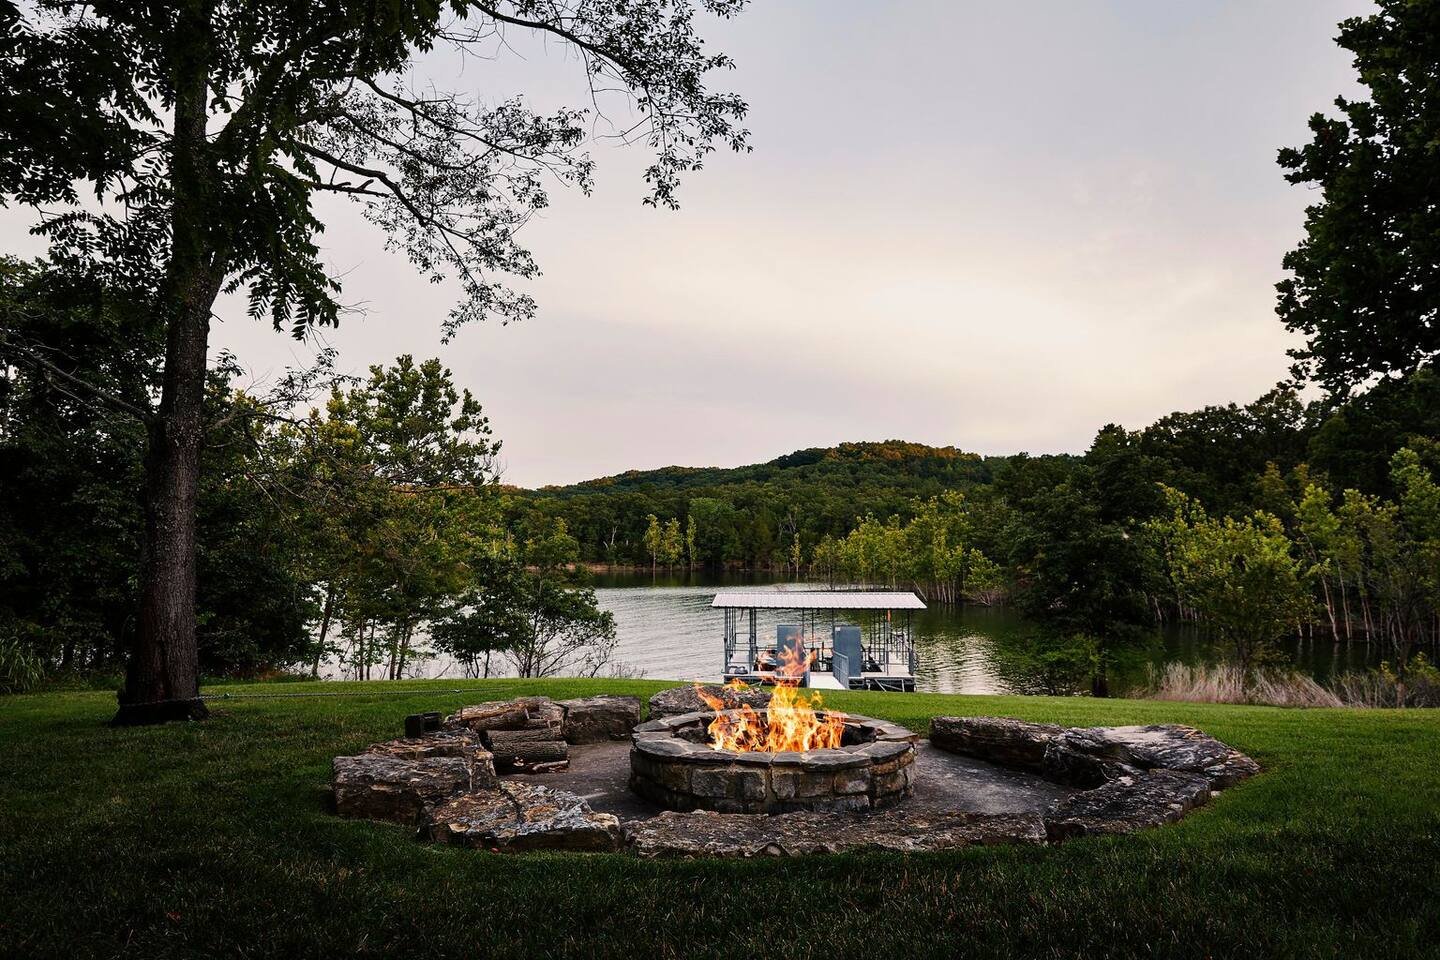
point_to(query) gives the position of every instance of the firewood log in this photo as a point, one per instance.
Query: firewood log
(500, 739)
(520, 755)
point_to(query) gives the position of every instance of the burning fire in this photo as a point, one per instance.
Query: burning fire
(793, 720)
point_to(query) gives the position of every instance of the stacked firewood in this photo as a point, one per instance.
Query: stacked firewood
(525, 735)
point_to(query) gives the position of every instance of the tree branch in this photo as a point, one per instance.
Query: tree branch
(34, 357)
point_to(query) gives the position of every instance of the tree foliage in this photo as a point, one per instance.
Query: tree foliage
(1241, 575)
(1364, 284)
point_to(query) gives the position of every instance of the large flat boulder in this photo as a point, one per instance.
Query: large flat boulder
(680, 700)
(707, 834)
(1165, 746)
(445, 743)
(523, 816)
(999, 740)
(601, 718)
(1128, 803)
(1091, 756)
(377, 786)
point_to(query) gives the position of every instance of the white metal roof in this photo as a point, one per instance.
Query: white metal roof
(819, 600)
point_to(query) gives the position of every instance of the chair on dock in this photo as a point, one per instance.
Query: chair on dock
(845, 642)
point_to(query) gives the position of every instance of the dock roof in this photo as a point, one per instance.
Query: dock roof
(818, 600)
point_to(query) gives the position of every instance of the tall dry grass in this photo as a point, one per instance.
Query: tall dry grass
(1225, 683)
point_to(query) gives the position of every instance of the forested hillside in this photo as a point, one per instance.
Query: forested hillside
(752, 515)
(1234, 459)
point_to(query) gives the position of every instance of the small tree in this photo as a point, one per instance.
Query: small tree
(402, 466)
(1241, 576)
(673, 543)
(565, 630)
(654, 540)
(487, 620)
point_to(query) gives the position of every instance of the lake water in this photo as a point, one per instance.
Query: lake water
(667, 630)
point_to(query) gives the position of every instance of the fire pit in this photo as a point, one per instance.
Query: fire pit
(676, 763)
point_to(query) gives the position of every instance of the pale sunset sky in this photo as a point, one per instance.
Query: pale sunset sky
(985, 224)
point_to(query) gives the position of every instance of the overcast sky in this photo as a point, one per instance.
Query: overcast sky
(986, 224)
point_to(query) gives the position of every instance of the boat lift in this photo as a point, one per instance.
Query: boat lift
(877, 653)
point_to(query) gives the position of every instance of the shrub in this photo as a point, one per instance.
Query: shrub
(1383, 687)
(20, 669)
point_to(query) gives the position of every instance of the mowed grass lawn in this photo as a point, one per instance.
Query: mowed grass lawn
(213, 839)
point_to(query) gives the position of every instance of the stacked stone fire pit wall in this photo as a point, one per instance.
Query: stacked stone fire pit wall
(669, 766)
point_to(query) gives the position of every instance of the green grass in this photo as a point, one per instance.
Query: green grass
(213, 839)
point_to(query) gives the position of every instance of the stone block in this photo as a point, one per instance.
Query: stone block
(601, 718)
(520, 816)
(674, 776)
(678, 701)
(1010, 743)
(375, 786)
(729, 781)
(832, 761)
(1128, 803)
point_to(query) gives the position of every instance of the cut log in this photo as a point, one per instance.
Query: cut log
(544, 712)
(501, 739)
(503, 714)
(550, 727)
(524, 754)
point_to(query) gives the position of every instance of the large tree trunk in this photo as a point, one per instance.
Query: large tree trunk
(162, 679)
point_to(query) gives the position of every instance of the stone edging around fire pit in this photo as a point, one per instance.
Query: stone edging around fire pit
(672, 767)
(1127, 778)
(1133, 778)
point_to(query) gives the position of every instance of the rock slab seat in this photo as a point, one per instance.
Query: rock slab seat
(376, 786)
(523, 816)
(1167, 747)
(601, 718)
(679, 700)
(999, 740)
(445, 743)
(1129, 803)
(1091, 756)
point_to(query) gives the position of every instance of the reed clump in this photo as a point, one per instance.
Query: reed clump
(1227, 683)
(1382, 687)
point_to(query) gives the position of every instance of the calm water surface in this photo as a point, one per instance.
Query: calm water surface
(667, 630)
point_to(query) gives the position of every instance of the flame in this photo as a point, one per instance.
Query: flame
(793, 721)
